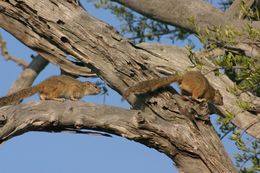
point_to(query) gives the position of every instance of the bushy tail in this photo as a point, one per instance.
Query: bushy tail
(15, 97)
(152, 85)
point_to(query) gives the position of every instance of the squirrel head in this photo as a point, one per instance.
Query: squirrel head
(218, 99)
(91, 88)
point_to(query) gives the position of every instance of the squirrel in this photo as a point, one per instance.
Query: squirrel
(191, 83)
(54, 88)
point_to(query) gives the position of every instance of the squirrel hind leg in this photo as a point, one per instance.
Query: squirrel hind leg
(185, 98)
(73, 98)
(196, 96)
(46, 97)
(201, 100)
(58, 99)
(42, 97)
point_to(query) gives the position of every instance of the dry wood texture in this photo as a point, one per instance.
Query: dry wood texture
(59, 28)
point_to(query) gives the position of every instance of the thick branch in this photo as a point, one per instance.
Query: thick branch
(198, 17)
(49, 51)
(132, 124)
(171, 12)
(69, 114)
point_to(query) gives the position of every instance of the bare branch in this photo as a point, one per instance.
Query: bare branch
(198, 17)
(57, 116)
(131, 124)
(53, 53)
(7, 56)
(173, 14)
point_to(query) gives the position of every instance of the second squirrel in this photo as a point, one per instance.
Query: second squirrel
(191, 83)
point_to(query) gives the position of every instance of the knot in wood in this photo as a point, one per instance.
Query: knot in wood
(201, 111)
(79, 123)
(54, 120)
(139, 118)
(2, 120)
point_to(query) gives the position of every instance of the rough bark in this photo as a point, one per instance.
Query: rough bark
(177, 59)
(59, 28)
(165, 136)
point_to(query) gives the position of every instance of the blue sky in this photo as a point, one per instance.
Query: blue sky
(44, 152)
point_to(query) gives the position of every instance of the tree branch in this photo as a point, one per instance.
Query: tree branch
(170, 11)
(131, 124)
(199, 17)
(56, 116)
(7, 56)
(49, 51)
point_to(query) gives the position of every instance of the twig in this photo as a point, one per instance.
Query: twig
(222, 137)
(7, 56)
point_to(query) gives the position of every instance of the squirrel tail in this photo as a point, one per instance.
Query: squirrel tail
(152, 85)
(16, 97)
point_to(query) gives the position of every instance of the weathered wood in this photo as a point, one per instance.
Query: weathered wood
(177, 59)
(169, 137)
(55, 27)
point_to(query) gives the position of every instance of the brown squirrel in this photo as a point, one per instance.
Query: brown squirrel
(55, 88)
(191, 83)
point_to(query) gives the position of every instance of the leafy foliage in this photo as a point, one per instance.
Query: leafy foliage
(250, 13)
(243, 70)
(248, 157)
